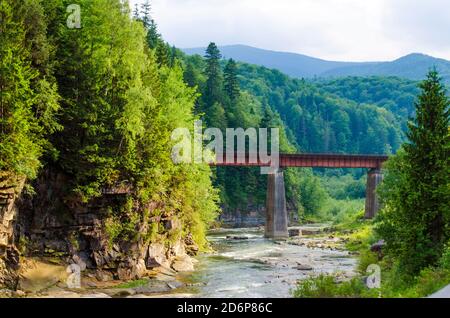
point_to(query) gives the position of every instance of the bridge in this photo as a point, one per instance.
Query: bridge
(276, 213)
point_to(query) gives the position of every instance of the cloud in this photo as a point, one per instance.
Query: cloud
(332, 29)
(419, 26)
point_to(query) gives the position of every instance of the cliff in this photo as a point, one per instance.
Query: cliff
(51, 222)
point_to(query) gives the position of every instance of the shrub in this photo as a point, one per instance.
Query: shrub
(325, 286)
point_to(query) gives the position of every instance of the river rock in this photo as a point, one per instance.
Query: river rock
(77, 259)
(156, 256)
(190, 245)
(311, 231)
(131, 269)
(175, 284)
(172, 224)
(377, 247)
(104, 276)
(178, 248)
(183, 264)
(303, 267)
(95, 295)
(237, 237)
(152, 287)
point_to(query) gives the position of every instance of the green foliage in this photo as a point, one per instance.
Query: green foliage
(345, 186)
(232, 88)
(322, 121)
(214, 79)
(309, 118)
(444, 262)
(121, 92)
(133, 283)
(325, 286)
(28, 98)
(415, 218)
(392, 93)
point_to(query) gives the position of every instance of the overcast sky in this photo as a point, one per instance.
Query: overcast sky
(356, 30)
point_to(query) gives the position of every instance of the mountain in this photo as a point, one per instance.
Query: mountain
(413, 66)
(293, 64)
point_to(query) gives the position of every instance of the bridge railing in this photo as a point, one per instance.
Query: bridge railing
(325, 160)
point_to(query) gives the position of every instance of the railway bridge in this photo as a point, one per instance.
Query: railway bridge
(276, 213)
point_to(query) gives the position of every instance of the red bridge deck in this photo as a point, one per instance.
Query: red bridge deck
(316, 160)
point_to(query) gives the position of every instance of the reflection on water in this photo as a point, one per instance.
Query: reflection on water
(258, 267)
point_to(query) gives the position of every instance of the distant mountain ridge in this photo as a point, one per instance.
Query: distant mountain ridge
(413, 66)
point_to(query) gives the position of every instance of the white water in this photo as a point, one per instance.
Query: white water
(258, 267)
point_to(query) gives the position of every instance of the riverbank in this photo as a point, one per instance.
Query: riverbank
(244, 264)
(360, 240)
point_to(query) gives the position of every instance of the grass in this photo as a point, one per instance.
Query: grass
(326, 286)
(133, 284)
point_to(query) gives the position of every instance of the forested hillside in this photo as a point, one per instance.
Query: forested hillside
(320, 121)
(392, 93)
(89, 112)
(413, 66)
(348, 115)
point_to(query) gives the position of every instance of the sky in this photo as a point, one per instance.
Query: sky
(341, 30)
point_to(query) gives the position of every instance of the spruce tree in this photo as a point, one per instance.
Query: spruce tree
(146, 9)
(232, 88)
(213, 72)
(415, 221)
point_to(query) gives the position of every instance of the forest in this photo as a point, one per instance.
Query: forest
(86, 114)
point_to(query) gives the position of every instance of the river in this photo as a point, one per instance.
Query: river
(259, 267)
(243, 265)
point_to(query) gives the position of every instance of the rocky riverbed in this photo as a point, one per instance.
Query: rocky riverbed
(244, 264)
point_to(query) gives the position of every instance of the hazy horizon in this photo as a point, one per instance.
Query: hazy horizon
(299, 53)
(344, 30)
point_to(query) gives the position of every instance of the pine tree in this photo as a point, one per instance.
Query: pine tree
(153, 37)
(146, 17)
(136, 12)
(415, 221)
(163, 54)
(232, 88)
(213, 72)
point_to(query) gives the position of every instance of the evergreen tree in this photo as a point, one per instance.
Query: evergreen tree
(136, 12)
(145, 13)
(163, 54)
(190, 76)
(153, 37)
(415, 221)
(232, 88)
(28, 99)
(213, 72)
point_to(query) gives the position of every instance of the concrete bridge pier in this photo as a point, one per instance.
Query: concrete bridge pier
(374, 177)
(276, 213)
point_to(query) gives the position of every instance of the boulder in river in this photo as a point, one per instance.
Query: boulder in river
(304, 267)
(104, 276)
(237, 237)
(156, 256)
(183, 264)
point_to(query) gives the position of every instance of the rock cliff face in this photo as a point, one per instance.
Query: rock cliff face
(10, 188)
(53, 223)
